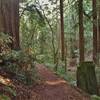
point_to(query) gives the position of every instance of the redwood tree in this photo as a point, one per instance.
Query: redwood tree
(9, 20)
(94, 31)
(62, 30)
(81, 31)
(98, 26)
(99, 32)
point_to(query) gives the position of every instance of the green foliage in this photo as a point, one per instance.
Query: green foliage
(5, 40)
(34, 30)
(95, 97)
(21, 63)
(10, 90)
(4, 97)
(37, 34)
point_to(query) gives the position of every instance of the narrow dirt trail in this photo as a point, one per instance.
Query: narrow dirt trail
(55, 88)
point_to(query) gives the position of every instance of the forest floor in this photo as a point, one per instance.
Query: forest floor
(56, 88)
(51, 87)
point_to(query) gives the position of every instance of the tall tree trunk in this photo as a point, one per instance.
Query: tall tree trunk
(99, 30)
(81, 31)
(62, 30)
(98, 6)
(94, 31)
(15, 7)
(9, 20)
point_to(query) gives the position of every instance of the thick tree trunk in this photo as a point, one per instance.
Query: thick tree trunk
(81, 31)
(94, 31)
(9, 20)
(86, 78)
(62, 30)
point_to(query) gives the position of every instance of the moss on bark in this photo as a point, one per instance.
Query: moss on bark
(86, 77)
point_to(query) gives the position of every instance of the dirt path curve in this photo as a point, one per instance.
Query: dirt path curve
(55, 88)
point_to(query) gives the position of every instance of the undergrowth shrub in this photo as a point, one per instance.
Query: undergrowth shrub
(4, 97)
(5, 40)
(22, 64)
(19, 63)
(10, 90)
(95, 97)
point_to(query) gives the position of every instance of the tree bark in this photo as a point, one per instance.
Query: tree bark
(81, 31)
(98, 6)
(62, 30)
(9, 20)
(99, 33)
(86, 78)
(94, 31)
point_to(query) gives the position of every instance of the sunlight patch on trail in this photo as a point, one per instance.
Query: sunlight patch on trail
(55, 82)
(5, 81)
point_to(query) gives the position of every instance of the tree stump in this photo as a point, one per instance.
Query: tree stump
(86, 78)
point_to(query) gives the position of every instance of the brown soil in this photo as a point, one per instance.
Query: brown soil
(51, 88)
(55, 88)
